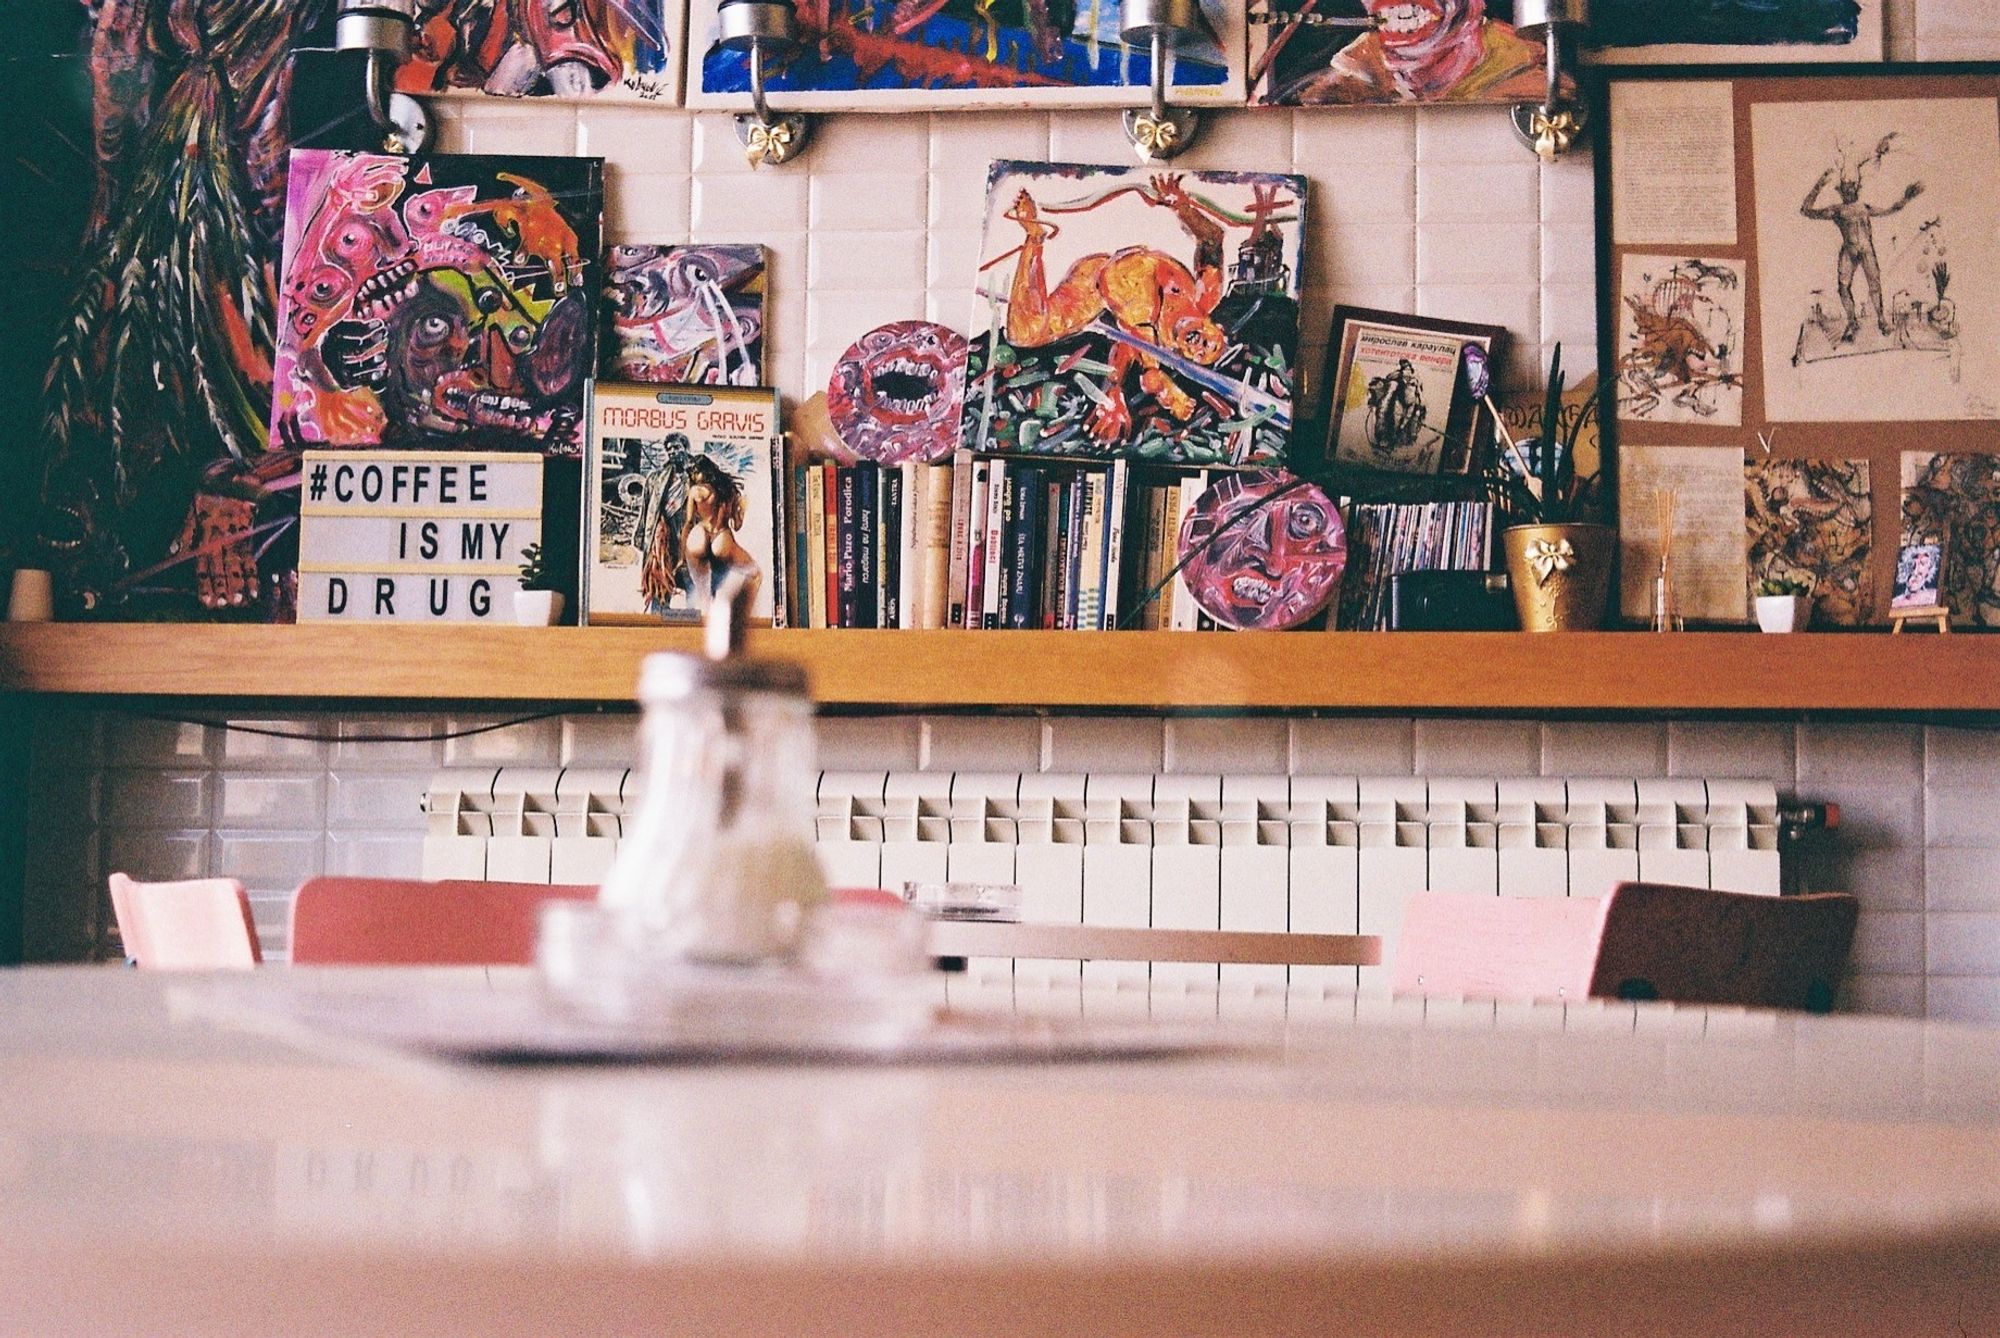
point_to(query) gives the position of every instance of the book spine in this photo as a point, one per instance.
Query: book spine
(934, 546)
(1114, 543)
(849, 567)
(815, 525)
(1000, 592)
(867, 556)
(801, 541)
(1080, 486)
(975, 540)
(889, 549)
(1182, 618)
(1053, 559)
(781, 557)
(959, 537)
(910, 530)
(997, 482)
(1089, 552)
(1157, 601)
(1024, 531)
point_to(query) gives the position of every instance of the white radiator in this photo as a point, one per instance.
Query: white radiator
(1327, 854)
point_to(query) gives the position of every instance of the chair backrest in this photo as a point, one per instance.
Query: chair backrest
(1480, 947)
(202, 924)
(1644, 941)
(405, 922)
(1692, 945)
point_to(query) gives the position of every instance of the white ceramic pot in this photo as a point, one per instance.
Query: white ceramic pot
(538, 608)
(1784, 613)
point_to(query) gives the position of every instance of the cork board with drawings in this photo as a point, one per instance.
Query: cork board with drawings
(1799, 282)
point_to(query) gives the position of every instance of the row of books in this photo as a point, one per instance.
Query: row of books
(994, 543)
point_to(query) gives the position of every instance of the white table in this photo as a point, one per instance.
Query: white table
(1376, 1168)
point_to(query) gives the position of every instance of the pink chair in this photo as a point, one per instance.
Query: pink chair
(202, 924)
(1644, 941)
(405, 922)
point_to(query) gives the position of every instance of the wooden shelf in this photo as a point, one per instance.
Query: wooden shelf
(1599, 671)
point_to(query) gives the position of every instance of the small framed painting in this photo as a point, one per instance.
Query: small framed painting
(1919, 577)
(681, 490)
(1401, 390)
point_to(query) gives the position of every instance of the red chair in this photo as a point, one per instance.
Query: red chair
(1644, 941)
(406, 922)
(202, 924)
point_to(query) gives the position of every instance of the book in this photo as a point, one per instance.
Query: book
(849, 565)
(997, 482)
(1024, 526)
(1115, 522)
(781, 549)
(867, 556)
(889, 548)
(959, 537)
(801, 532)
(975, 561)
(1053, 555)
(815, 527)
(831, 551)
(1181, 612)
(1090, 553)
(911, 519)
(934, 546)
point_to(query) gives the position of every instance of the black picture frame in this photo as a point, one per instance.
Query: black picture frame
(1467, 429)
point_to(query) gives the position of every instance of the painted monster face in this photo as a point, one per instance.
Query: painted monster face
(1276, 568)
(467, 357)
(895, 394)
(1415, 28)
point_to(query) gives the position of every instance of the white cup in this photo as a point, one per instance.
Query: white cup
(33, 598)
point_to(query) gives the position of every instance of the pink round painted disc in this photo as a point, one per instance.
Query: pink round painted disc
(895, 394)
(1276, 568)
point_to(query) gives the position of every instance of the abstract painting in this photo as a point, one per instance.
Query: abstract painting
(896, 393)
(440, 303)
(611, 49)
(1878, 274)
(1647, 32)
(1680, 340)
(1954, 501)
(680, 495)
(1264, 551)
(1141, 313)
(941, 54)
(147, 217)
(692, 315)
(1363, 52)
(1810, 520)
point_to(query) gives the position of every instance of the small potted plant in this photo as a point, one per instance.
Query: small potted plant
(1784, 604)
(1558, 557)
(537, 603)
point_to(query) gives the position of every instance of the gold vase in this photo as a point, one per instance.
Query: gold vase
(1561, 575)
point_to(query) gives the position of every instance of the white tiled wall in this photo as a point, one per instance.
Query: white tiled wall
(1918, 844)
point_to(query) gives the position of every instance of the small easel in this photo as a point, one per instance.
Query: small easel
(1936, 614)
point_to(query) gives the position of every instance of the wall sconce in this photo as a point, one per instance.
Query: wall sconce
(1160, 132)
(383, 29)
(763, 27)
(1551, 128)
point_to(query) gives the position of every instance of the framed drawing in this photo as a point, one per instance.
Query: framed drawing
(1647, 32)
(615, 50)
(683, 486)
(942, 55)
(1137, 312)
(1803, 264)
(1918, 575)
(1400, 391)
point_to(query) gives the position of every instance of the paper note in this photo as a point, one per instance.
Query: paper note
(1673, 164)
(1709, 568)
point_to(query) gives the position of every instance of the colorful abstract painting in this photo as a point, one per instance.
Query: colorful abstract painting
(1647, 32)
(896, 393)
(1811, 521)
(688, 315)
(1130, 312)
(966, 53)
(447, 302)
(1954, 501)
(1264, 551)
(160, 496)
(1362, 52)
(611, 49)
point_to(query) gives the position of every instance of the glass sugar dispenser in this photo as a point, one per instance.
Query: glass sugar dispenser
(714, 918)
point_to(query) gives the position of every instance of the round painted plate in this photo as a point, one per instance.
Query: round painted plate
(1273, 569)
(895, 394)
